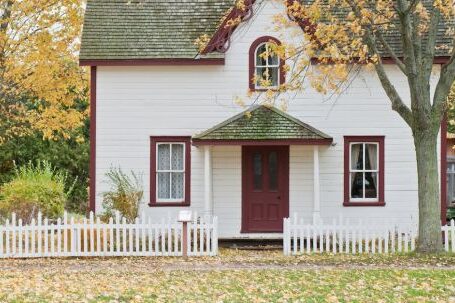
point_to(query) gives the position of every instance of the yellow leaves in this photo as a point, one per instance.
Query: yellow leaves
(201, 42)
(39, 57)
(446, 7)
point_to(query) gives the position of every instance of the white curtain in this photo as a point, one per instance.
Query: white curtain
(355, 152)
(373, 157)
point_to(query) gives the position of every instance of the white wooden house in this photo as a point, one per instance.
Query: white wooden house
(164, 110)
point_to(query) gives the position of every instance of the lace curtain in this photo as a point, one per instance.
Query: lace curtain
(170, 173)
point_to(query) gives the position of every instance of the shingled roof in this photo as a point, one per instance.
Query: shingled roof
(148, 29)
(262, 123)
(166, 29)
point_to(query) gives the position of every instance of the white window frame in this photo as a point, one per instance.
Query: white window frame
(170, 170)
(267, 65)
(364, 171)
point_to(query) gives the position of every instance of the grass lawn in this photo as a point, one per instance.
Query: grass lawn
(234, 276)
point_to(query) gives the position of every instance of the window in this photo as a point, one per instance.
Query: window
(170, 171)
(266, 68)
(364, 171)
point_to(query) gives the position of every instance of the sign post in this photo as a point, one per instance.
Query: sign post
(185, 216)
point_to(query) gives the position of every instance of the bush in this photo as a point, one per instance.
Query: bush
(68, 155)
(125, 195)
(34, 188)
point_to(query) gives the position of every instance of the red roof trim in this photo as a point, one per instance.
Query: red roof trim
(152, 62)
(199, 142)
(220, 40)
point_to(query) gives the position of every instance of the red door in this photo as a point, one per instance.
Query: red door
(265, 188)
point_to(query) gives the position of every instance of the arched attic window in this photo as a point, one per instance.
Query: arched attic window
(266, 69)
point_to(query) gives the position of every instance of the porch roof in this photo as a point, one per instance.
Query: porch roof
(265, 126)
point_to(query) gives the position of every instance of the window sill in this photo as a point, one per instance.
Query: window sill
(265, 89)
(170, 204)
(363, 204)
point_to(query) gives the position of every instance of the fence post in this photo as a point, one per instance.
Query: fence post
(286, 236)
(185, 240)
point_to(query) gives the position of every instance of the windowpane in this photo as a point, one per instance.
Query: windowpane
(273, 171)
(177, 185)
(273, 60)
(164, 156)
(164, 185)
(177, 157)
(357, 156)
(274, 74)
(267, 76)
(257, 171)
(371, 157)
(262, 73)
(371, 185)
(356, 185)
(260, 55)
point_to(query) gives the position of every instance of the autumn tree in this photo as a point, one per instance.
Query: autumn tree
(346, 36)
(39, 75)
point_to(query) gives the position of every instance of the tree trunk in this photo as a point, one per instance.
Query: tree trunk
(430, 239)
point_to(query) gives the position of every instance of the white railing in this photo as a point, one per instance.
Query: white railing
(91, 237)
(354, 238)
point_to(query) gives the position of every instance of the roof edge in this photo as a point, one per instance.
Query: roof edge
(152, 62)
(262, 142)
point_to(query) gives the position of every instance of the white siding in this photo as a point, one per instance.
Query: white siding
(135, 103)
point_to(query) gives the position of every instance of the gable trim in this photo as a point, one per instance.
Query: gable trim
(220, 41)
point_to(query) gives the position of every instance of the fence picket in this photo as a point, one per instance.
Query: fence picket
(452, 234)
(343, 237)
(63, 237)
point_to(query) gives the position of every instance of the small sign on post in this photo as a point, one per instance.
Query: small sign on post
(185, 216)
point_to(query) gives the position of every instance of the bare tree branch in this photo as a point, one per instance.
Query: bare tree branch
(392, 53)
(429, 51)
(397, 102)
(443, 87)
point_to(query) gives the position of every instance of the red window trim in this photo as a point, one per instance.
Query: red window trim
(252, 68)
(170, 139)
(375, 139)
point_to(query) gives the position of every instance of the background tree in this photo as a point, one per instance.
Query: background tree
(347, 36)
(38, 61)
(43, 91)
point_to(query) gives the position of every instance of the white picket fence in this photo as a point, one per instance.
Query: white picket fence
(342, 236)
(92, 238)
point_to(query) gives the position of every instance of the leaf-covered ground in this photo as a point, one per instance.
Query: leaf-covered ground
(234, 276)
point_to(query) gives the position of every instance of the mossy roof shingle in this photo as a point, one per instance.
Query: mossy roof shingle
(148, 29)
(159, 29)
(263, 123)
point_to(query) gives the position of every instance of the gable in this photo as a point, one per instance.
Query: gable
(262, 123)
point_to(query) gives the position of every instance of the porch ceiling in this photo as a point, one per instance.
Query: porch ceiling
(265, 126)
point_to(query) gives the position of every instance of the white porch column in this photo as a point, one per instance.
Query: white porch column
(316, 187)
(208, 187)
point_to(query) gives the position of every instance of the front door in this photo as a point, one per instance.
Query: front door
(265, 188)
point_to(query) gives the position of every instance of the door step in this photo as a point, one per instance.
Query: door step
(248, 244)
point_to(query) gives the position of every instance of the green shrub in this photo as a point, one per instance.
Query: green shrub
(34, 188)
(124, 196)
